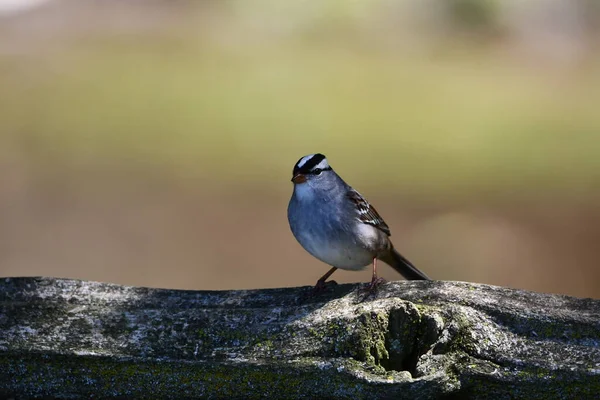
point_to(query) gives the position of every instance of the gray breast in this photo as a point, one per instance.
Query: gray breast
(327, 231)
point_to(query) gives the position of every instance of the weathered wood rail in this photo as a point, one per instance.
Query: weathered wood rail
(412, 340)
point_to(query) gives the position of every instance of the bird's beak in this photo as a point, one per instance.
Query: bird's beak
(299, 178)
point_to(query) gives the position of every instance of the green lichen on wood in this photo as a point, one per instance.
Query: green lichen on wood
(88, 375)
(65, 338)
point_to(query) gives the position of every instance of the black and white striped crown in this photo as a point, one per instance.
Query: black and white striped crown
(311, 164)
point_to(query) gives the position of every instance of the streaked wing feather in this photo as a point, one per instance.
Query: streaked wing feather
(367, 213)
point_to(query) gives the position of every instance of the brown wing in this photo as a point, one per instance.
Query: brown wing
(367, 213)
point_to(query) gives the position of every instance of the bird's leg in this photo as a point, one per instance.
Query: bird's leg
(375, 280)
(321, 282)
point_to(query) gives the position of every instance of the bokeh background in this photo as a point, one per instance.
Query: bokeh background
(151, 142)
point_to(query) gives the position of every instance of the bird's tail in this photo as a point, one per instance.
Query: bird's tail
(403, 266)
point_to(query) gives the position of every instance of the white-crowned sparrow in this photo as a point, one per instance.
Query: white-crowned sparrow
(335, 224)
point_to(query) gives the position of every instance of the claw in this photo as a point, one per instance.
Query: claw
(375, 282)
(323, 286)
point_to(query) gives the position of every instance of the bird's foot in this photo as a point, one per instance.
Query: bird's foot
(322, 286)
(372, 287)
(375, 283)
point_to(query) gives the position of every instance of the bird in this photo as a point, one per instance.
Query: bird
(338, 226)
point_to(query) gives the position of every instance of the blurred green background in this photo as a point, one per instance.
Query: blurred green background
(151, 142)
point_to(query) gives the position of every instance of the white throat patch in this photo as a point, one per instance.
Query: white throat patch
(304, 192)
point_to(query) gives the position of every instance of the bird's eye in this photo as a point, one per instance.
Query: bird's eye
(317, 171)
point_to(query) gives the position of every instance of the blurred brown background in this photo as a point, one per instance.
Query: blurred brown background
(151, 142)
